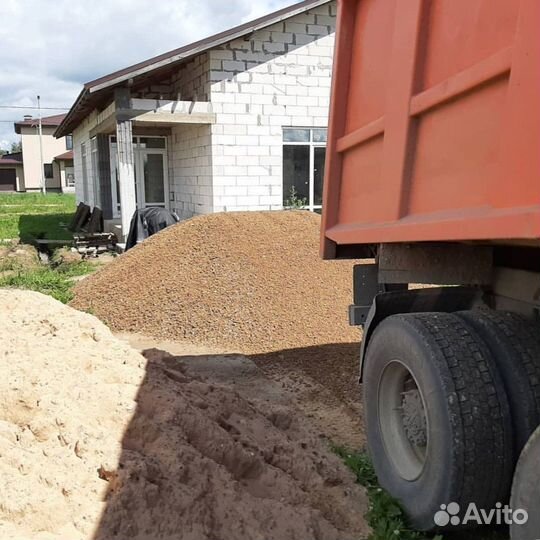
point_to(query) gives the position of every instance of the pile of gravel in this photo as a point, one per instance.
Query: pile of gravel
(249, 282)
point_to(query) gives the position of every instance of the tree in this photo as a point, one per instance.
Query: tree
(16, 147)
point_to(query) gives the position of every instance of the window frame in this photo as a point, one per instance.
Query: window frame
(84, 166)
(48, 171)
(137, 164)
(94, 168)
(312, 145)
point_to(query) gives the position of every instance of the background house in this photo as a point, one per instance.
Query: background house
(57, 159)
(11, 172)
(232, 122)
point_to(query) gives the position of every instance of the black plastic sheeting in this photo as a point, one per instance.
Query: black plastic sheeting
(147, 222)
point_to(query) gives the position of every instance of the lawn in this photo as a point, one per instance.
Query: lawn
(32, 215)
(56, 282)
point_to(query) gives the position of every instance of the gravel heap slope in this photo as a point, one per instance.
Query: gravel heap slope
(99, 443)
(247, 282)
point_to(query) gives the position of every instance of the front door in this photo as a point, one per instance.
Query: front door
(151, 179)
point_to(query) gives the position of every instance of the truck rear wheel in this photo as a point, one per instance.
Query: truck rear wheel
(514, 343)
(437, 416)
(526, 493)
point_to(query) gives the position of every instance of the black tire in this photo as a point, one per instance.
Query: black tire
(468, 456)
(514, 343)
(526, 491)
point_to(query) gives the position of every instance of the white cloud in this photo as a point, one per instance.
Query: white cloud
(52, 47)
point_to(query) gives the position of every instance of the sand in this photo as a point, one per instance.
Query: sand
(98, 442)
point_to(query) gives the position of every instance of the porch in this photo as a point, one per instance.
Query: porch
(130, 154)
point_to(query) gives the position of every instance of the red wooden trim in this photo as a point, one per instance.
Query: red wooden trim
(361, 135)
(403, 65)
(468, 79)
(338, 116)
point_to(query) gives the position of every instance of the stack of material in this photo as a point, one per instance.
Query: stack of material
(247, 282)
(99, 443)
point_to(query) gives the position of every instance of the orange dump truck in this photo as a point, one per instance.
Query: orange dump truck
(433, 173)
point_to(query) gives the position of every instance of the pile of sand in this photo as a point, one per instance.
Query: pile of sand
(97, 442)
(248, 282)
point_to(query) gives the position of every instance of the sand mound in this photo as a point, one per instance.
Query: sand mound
(249, 282)
(97, 442)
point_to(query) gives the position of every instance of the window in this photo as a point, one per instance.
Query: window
(70, 177)
(69, 142)
(48, 170)
(84, 173)
(304, 152)
(150, 170)
(151, 142)
(95, 171)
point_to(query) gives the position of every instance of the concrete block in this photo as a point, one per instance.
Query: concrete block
(296, 27)
(234, 65)
(325, 20)
(274, 47)
(281, 37)
(304, 39)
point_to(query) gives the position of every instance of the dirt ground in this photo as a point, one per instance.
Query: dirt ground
(298, 376)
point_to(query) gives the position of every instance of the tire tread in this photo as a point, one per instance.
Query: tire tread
(480, 409)
(520, 355)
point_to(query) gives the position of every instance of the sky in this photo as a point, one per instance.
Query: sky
(51, 47)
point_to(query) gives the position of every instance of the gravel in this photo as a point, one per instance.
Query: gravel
(248, 282)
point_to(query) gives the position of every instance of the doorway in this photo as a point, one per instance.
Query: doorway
(8, 180)
(151, 173)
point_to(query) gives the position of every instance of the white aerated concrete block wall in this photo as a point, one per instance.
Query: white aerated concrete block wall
(190, 146)
(191, 165)
(191, 82)
(81, 134)
(278, 77)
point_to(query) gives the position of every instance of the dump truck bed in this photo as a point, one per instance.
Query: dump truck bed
(434, 124)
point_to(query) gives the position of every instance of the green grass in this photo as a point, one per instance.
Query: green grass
(385, 516)
(44, 280)
(55, 282)
(33, 215)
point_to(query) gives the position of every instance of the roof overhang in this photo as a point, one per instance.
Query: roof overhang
(100, 90)
(154, 113)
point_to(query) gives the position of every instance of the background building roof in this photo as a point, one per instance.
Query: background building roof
(11, 159)
(66, 156)
(51, 121)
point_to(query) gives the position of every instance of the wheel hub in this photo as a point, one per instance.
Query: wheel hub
(414, 418)
(403, 420)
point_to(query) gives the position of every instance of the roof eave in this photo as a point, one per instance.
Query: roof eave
(64, 128)
(96, 86)
(184, 53)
